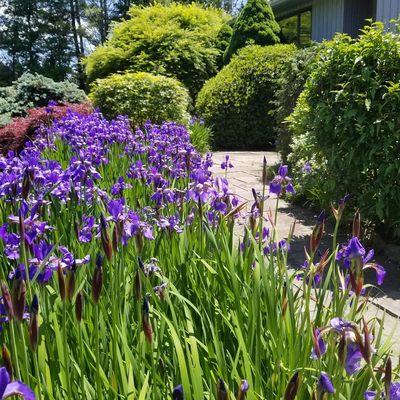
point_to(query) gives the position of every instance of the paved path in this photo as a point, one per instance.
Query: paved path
(246, 175)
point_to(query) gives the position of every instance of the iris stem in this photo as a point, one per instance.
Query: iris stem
(82, 376)
(37, 373)
(97, 344)
(14, 350)
(25, 355)
(65, 345)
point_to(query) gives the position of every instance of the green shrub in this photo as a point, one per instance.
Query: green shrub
(141, 96)
(255, 25)
(177, 40)
(223, 39)
(200, 135)
(238, 102)
(347, 124)
(294, 74)
(34, 90)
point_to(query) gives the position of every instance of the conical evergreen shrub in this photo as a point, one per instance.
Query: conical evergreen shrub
(255, 25)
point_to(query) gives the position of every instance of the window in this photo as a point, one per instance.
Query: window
(297, 29)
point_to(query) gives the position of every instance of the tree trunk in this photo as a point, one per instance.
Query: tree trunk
(78, 53)
(78, 20)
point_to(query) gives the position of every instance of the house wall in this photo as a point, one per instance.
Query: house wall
(387, 10)
(356, 12)
(327, 18)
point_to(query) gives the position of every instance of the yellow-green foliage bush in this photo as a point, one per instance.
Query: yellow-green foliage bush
(238, 103)
(141, 96)
(177, 40)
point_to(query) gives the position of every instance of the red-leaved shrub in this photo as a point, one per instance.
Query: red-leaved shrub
(21, 129)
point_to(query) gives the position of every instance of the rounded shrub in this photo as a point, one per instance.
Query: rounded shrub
(181, 41)
(293, 76)
(347, 125)
(141, 96)
(254, 25)
(238, 102)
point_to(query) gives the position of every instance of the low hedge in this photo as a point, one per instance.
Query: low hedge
(347, 125)
(238, 103)
(141, 96)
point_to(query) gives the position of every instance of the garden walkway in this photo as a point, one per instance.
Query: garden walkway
(246, 175)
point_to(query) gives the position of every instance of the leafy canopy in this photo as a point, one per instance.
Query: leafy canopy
(255, 25)
(177, 40)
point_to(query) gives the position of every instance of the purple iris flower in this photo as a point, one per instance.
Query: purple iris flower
(226, 164)
(354, 249)
(10, 388)
(394, 393)
(353, 359)
(341, 325)
(317, 353)
(281, 182)
(177, 393)
(325, 384)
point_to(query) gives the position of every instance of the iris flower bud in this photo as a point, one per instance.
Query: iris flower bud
(34, 324)
(7, 360)
(79, 306)
(292, 387)
(221, 390)
(264, 171)
(388, 377)
(342, 349)
(115, 239)
(138, 285)
(7, 302)
(19, 299)
(147, 329)
(97, 283)
(317, 233)
(357, 225)
(105, 238)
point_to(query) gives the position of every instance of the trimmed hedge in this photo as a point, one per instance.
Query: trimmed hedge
(177, 40)
(347, 125)
(141, 96)
(34, 90)
(238, 102)
(292, 79)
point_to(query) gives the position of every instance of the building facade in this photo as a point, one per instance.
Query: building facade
(306, 20)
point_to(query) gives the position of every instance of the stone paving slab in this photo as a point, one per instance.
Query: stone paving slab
(246, 175)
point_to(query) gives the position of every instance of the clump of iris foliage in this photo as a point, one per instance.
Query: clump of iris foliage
(122, 279)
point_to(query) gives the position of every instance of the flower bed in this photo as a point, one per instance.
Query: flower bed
(122, 278)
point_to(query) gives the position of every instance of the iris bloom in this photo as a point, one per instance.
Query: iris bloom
(15, 388)
(281, 182)
(325, 384)
(394, 393)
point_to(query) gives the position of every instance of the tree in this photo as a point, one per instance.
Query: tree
(255, 25)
